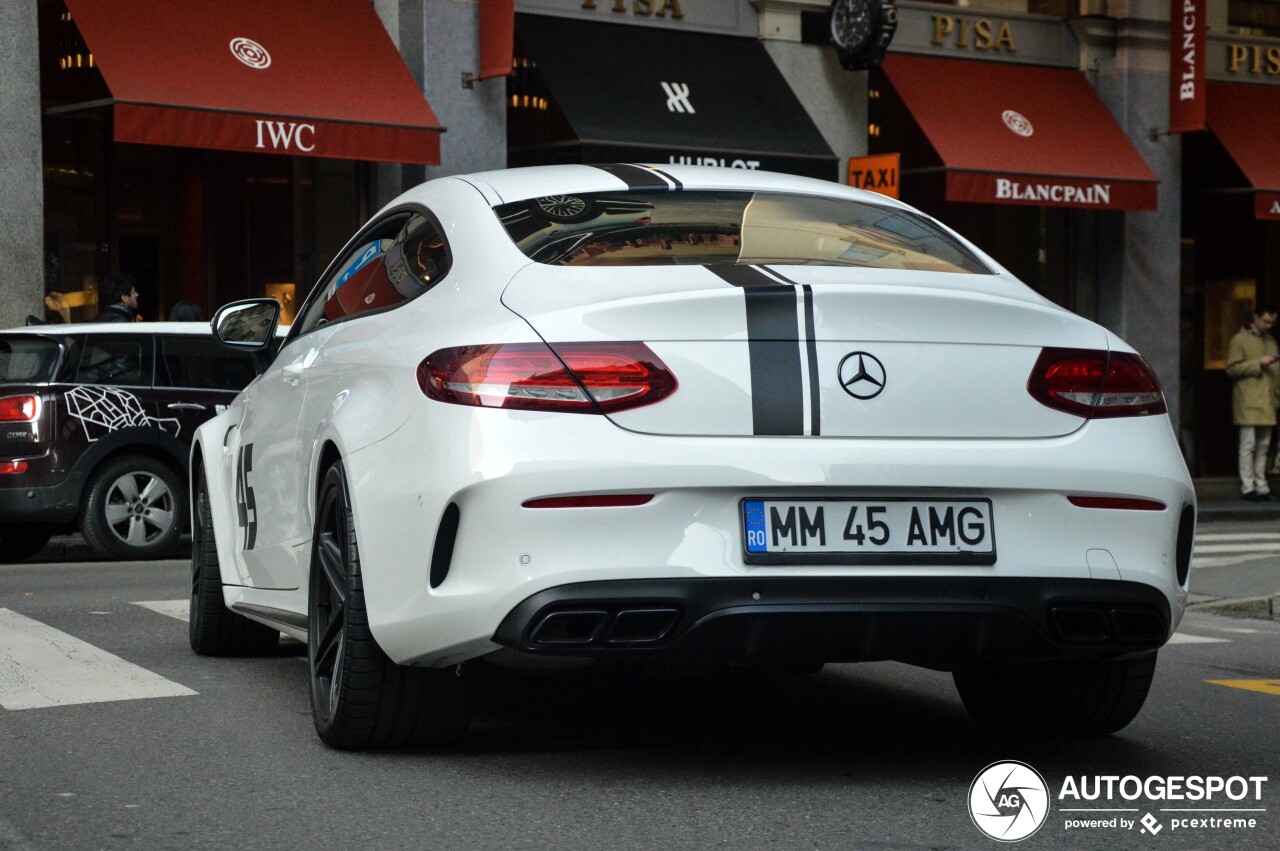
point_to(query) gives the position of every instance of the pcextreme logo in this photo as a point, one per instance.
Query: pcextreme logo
(1009, 801)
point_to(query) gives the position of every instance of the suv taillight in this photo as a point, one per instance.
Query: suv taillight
(581, 378)
(1094, 384)
(19, 409)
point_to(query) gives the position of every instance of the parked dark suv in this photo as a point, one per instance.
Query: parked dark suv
(95, 430)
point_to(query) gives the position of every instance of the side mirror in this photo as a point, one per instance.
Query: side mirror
(248, 324)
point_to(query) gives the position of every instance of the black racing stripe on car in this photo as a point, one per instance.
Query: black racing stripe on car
(811, 351)
(675, 184)
(777, 398)
(741, 276)
(634, 176)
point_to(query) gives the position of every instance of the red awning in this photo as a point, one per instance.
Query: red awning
(1021, 134)
(293, 77)
(1246, 120)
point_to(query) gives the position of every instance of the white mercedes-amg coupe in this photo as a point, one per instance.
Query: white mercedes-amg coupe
(576, 414)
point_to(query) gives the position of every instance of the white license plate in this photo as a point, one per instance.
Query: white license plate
(868, 531)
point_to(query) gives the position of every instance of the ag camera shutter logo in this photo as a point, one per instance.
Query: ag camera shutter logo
(1008, 801)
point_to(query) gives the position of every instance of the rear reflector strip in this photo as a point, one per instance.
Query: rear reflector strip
(7, 467)
(596, 501)
(1120, 503)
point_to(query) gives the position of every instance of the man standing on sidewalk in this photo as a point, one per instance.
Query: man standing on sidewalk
(1252, 358)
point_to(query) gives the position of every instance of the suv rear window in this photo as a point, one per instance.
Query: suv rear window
(705, 228)
(25, 359)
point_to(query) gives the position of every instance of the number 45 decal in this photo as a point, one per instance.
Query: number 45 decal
(246, 508)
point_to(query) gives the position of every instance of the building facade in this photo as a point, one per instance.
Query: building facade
(1038, 128)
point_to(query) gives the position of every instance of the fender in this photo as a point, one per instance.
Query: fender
(144, 437)
(214, 448)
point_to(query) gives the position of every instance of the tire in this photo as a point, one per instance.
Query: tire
(1073, 697)
(135, 509)
(213, 629)
(359, 697)
(19, 543)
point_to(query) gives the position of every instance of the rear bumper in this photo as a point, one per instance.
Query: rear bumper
(58, 503)
(938, 622)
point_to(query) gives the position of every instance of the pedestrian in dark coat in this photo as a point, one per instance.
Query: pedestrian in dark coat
(118, 297)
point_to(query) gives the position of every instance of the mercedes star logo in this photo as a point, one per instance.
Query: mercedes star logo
(862, 375)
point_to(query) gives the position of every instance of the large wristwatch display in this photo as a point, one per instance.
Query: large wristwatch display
(861, 31)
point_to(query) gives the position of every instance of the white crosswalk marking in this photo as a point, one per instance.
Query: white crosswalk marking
(1222, 549)
(41, 667)
(1184, 638)
(180, 609)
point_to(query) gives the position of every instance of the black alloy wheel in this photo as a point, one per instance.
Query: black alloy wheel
(327, 614)
(213, 629)
(359, 697)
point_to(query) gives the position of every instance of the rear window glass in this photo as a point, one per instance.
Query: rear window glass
(27, 359)
(202, 363)
(115, 360)
(707, 228)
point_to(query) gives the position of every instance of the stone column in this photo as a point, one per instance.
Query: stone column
(21, 178)
(835, 99)
(475, 118)
(1139, 286)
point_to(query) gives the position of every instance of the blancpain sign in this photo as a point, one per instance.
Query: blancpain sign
(1098, 194)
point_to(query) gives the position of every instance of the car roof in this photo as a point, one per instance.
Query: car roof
(115, 328)
(519, 184)
(198, 328)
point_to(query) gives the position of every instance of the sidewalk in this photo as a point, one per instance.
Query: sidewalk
(1219, 499)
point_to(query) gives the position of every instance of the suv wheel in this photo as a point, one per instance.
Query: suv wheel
(1071, 697)
(359, 697)
(214, 629)
(135, 509)
(18, 543)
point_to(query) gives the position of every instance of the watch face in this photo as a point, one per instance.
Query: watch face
(850, 23)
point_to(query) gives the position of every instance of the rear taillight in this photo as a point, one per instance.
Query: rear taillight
(11, 467)
(1093, 384)
(582, 378)
(19, 409)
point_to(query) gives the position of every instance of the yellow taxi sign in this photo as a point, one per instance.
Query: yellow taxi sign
(878, 173)
(1264, 686)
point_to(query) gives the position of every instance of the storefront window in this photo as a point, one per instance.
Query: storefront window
(1254, 17)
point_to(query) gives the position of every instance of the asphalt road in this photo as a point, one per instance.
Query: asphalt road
(868, 756)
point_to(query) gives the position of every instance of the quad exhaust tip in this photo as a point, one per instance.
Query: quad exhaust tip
(1098, 624)
(631, 626)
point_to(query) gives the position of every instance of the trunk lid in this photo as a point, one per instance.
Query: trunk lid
(817, 350)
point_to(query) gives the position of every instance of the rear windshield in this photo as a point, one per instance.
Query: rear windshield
(706, 228)
(26, 359)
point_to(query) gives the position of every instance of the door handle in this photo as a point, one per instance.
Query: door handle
(187, 406)
(293, 372)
